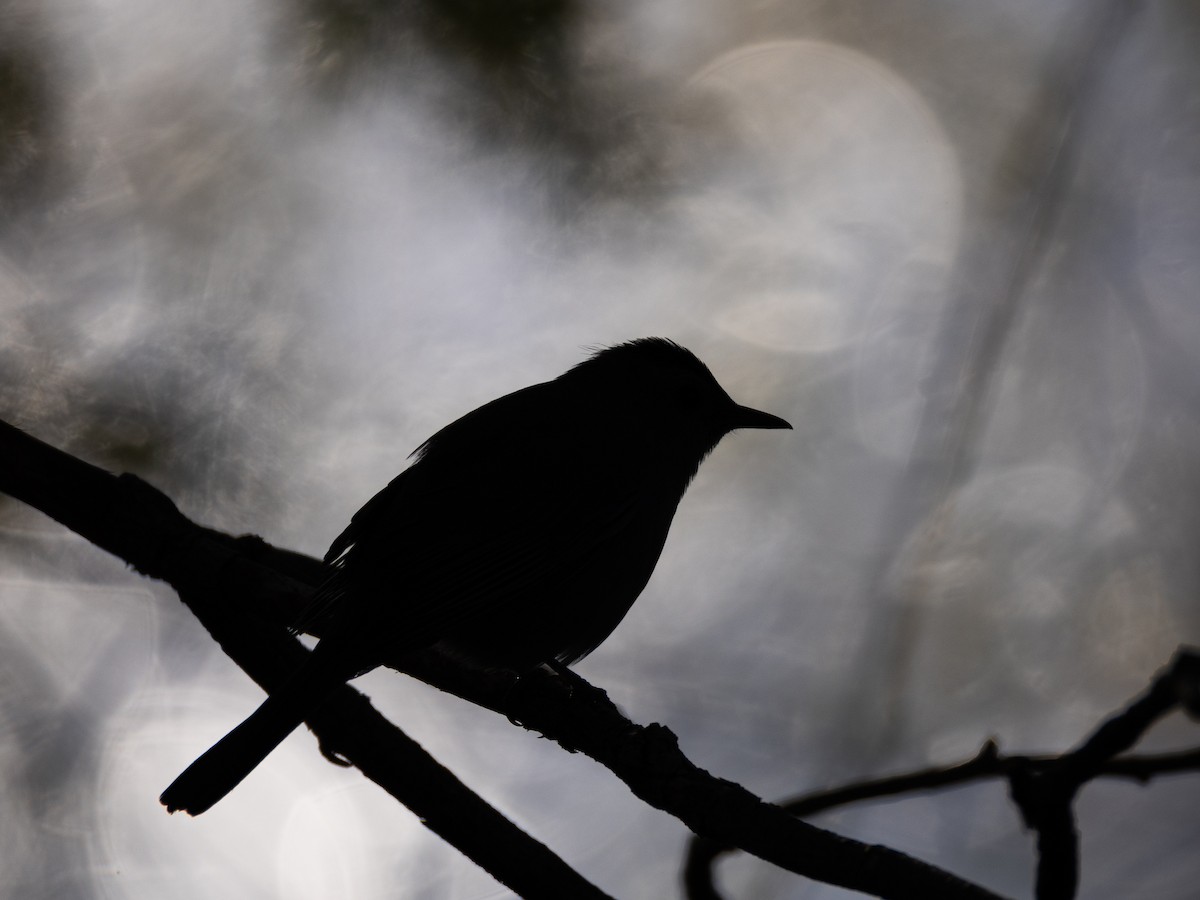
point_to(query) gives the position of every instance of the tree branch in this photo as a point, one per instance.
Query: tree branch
(224, 581)
(228, 582)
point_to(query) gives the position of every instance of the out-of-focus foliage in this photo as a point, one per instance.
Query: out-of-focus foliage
(257, 252)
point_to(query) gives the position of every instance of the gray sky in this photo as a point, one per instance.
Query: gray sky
(257, 260)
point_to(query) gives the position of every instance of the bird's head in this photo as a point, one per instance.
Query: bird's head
(656, 392)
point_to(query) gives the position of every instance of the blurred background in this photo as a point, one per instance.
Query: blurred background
(256, 251)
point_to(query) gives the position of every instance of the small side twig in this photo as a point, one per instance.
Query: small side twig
(1043, 786)
(1045, 791)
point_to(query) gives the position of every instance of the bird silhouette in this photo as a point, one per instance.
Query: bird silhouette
(520, 535)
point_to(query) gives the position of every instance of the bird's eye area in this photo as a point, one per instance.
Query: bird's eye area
(686, 396)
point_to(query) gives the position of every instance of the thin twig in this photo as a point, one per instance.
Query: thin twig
(988, 763)
(1045, 791)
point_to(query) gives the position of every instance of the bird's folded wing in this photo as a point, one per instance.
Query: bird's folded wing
(419, 563)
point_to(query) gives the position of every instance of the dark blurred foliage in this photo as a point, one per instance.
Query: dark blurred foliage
(28, 117)
(514, 78)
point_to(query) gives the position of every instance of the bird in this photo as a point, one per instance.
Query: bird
(519, 536)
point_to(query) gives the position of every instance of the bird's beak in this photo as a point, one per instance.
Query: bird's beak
(745, 417)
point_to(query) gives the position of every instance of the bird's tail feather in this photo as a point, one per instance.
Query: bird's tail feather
(222, 767)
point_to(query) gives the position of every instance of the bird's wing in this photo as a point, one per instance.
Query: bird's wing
(496, 507)
(432, 570)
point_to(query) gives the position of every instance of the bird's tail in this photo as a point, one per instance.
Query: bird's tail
(223, 766)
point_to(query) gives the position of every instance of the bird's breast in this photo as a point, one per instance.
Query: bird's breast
(593, 575)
